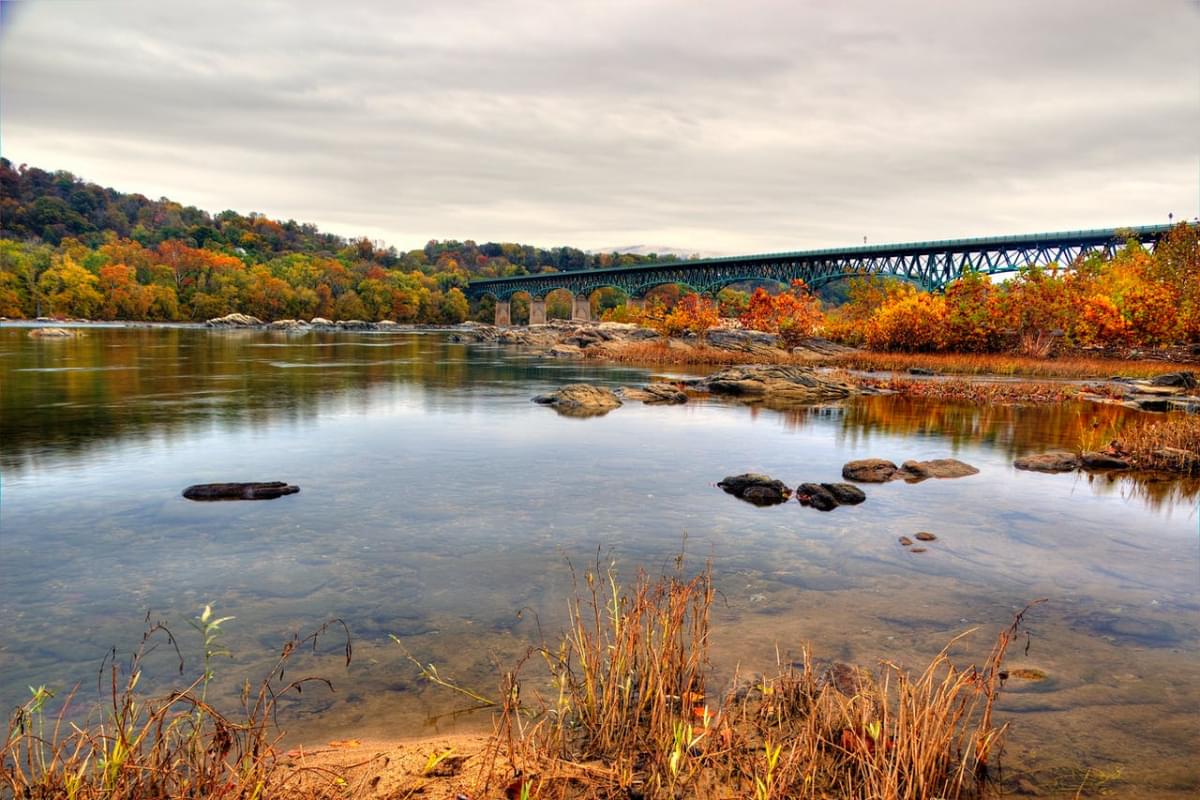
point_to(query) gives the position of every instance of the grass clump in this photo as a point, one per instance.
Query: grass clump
(176, 744)
(1001, 364)
(629, 712)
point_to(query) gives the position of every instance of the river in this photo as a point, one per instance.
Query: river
(441, 506)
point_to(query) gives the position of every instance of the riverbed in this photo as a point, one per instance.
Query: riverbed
(440, 506)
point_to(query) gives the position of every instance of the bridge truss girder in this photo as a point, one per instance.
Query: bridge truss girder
(929, 265)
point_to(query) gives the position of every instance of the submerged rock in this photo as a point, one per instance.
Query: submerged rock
(1058, 461)
(869, 470)
(756, 488)
(774, 382)
(580, 400)
(239, 491)
(816, 496)
(234, 321)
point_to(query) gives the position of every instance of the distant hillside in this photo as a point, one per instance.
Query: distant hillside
(41, 206)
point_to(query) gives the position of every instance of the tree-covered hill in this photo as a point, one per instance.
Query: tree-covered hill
(72, 248)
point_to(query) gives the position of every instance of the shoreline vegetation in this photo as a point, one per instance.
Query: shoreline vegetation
(622, 704)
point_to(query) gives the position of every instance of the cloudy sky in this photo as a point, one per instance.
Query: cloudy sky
(715, 127)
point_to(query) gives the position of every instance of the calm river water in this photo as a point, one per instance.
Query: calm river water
(437, 503)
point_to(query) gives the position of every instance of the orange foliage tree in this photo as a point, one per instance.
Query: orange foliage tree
(795, 314)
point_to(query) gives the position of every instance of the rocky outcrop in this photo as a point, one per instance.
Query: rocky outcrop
(239, 491)
(1058, 461)
(756, 488)
(773, 382)
(653, 394)
(355, 325)
(580, 400)
(234, 321)
(287, 325)
(321, 322)
(879, 470)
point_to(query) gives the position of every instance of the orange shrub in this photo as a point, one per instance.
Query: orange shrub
(1100, 323)
(795, 314)
(912, 324)
(691, 314)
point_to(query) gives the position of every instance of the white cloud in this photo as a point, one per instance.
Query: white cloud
(708, 127)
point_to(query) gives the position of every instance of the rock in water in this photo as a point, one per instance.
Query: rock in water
(1182, 380)
(753, 487)
(654, 394)
(580, 400)
(1103, 461)
(846, 494)
(774, 382)
(239, 491)
(937, 468)
(816, 496)
(1058, 461)
(51, 333)
(234, 321)
(869, 470)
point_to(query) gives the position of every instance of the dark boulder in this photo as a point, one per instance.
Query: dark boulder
(816, 496)
(753, 487)
(846, 494)
(1096, 460)
(1182, 380)
(239, 491)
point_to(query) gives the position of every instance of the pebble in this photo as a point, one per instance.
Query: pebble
(926, 536)
(904, 540)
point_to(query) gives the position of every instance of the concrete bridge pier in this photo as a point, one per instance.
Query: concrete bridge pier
(537, 311)
(503, 312)
(581, 309)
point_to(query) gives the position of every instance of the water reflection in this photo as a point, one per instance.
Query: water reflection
(437, 501)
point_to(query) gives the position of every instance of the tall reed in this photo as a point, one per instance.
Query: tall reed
(628, 713)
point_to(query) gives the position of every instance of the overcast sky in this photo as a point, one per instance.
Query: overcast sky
(716, 127)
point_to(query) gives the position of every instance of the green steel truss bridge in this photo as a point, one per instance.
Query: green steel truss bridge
(930, 265)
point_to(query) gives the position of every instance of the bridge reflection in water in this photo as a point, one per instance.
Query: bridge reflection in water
(930, 265)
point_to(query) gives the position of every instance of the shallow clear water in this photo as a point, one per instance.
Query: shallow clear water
(437, 502)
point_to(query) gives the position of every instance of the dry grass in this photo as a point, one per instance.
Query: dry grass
(174, 745)
(681, 353)
(1167, 442)
(975, 392)
(1009, 365)
(628, 714)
